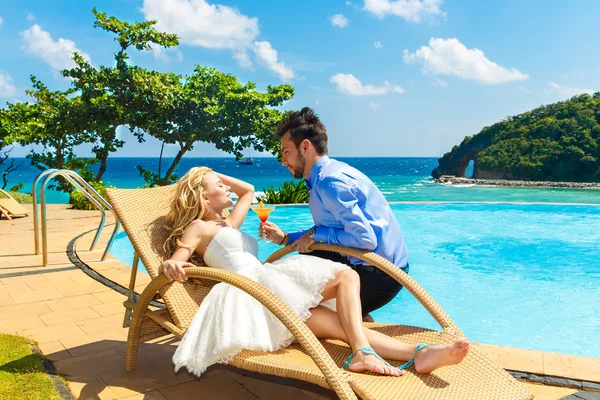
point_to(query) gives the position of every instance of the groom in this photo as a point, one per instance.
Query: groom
(347, 207)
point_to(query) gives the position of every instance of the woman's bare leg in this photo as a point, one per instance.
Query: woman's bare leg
(325, 324)
(345, 288)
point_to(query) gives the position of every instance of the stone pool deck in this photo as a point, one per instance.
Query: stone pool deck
(77, 322)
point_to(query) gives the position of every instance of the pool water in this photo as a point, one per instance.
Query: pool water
(508, 274)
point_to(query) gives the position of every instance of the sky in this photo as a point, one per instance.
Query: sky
(389, 78)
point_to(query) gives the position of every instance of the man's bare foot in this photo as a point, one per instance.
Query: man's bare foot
(433, 357)
(362, 363)
(368, 318)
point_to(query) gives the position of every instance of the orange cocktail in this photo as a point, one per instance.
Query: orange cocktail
(262, 211)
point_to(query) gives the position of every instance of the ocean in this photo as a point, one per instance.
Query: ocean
(399, 178)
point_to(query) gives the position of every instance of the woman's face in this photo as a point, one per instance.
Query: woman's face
(216, 194)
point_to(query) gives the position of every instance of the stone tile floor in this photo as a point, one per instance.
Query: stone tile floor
(77, 323)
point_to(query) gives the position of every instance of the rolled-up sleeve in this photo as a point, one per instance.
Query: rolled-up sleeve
(293, 236)
(340, 199)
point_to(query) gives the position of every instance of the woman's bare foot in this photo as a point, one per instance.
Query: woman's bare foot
(433, 357)
(362, 363)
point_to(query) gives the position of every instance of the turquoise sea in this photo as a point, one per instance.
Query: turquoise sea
(400, 179)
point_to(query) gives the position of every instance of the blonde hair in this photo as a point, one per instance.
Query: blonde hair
(186, 206)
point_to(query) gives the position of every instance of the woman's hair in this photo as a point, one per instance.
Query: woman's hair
(186, 206)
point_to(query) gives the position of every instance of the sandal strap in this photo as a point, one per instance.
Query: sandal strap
(368, 351)
(410, 362)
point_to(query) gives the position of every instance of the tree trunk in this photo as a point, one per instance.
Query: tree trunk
(175, 162)
(104, 154)
(160, 158)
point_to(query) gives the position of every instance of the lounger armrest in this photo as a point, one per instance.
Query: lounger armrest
(392, 270)
(337, 379)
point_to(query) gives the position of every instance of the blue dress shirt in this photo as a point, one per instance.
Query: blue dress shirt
(349, 210)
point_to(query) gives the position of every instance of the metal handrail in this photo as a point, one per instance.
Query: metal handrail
(87, 190)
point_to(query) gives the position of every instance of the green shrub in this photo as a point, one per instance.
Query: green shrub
(291, 193)
(80, 202)
(23, 198)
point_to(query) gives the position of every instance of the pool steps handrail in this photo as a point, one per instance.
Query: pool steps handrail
(87, 190)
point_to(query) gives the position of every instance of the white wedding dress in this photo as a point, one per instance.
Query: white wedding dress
(230, 320)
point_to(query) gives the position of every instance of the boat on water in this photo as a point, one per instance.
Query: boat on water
(246, 161)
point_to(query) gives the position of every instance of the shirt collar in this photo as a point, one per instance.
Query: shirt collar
(314, 171)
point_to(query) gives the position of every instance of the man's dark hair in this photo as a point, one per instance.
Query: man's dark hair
(304, 124)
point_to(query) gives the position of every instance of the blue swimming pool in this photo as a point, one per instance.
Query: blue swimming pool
(509, 274)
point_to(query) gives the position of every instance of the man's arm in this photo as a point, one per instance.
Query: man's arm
(293, 236)
(340, 199)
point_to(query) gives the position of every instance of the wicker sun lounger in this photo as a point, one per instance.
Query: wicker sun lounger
(10, 207)
(142, 211)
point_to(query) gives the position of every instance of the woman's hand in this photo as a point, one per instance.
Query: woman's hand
(173, 270)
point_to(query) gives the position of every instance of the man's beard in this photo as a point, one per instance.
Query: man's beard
(298, 170)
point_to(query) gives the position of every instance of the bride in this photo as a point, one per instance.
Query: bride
(230, 320)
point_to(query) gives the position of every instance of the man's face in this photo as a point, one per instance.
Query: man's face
(291, 157)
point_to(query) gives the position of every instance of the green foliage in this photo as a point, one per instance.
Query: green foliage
(56, 121)
(556, 142)
(80, 202)
(22, 375)
(291, 193)
(23, 198)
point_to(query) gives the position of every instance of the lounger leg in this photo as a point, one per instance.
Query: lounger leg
(133, 341)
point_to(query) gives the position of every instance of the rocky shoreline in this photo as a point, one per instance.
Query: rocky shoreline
(453, 180)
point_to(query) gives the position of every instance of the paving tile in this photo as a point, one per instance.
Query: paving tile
(91, 388)
(73, 315)
(110, 308)
(101, 324)
(86, 344)
(7, 288)
(220, 386)
(18, 324)
(81, 367)
(145, 379)
(6, 300)
(23, 279)
(514, 359)
(541, 392)
(110, 296)
(53, 333)
(36, 295)
(54, 351)
(264, 389)
(575, 367)
(21, 310)
(69, 303)
(153, 395)
(70, 290)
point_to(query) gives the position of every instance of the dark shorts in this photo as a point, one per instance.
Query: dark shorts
(376, 288)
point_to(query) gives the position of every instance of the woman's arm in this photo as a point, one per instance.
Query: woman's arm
(245, 193)
(173, 268)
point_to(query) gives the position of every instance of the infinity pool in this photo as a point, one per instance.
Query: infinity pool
(508, 274)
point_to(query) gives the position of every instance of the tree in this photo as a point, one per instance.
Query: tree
(213, 107)
(111, 93)
(55, 120)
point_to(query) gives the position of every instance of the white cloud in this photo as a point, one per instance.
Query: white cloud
(7, 89)
(339, 20)
(348, 3)
(374, 106)
(30, 17)
(569, 91)
(377, 44)
(451, 58)
(410, 10)
(58, 54)
(214, 26)
(1, 21)
(267, 56)
(162, 54)
(439, 82)
(347, 83)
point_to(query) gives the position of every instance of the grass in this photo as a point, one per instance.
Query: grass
(23, 198)
(22, 375)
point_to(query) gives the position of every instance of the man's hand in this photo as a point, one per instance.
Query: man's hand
(303, 243)
(173, 270)
(271, 232)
